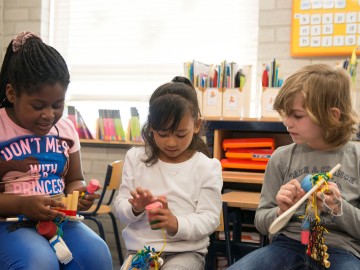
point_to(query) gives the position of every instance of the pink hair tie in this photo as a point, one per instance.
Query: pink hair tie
(20, 40)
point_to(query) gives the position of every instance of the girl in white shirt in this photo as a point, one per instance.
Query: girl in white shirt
(173, 168)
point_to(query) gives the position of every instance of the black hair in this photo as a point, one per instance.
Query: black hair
(33, 64)
(167, 106)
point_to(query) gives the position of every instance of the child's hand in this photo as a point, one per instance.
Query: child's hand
(86, 201)
(288, 195)
(140, 199)
(330, 200)
(165, 217)
(39, 208)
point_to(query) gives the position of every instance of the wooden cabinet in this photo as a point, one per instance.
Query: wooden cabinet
(218, 130)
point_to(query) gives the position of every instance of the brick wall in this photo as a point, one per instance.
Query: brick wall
(21, 15)
(274, 42)
(274, 38)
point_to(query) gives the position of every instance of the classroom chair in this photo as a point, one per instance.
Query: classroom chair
(235, 205)
(111, 185)
(217, 246)
(239, 209)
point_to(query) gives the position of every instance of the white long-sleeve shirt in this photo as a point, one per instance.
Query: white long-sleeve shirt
(193, 191)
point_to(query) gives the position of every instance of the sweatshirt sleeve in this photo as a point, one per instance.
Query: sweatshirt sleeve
(122, 207)
(273, 180)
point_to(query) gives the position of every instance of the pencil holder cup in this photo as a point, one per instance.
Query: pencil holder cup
(151, 206)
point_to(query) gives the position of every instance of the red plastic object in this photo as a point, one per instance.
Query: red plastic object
(257, 154)
(243, 164)
(47, 229)
(249, 143)
(67, 212)
(305, 234)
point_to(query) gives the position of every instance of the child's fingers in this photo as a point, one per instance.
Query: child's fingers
(91, 197)
(291, 190)
(330, 201)
(141, 192)
(47, 213)
(163, 201)
(134, 194)
(334, 188)
(47, 201)
(148, 193)
(284, 201)
(58, 214)
(145, 194)
(135, 205)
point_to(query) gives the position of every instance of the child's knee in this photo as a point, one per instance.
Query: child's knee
(42, 259)
(95, 254)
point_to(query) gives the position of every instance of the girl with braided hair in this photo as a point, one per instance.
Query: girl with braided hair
(40, 161)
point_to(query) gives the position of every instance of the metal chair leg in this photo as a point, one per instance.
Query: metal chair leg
(117, 239)
(227, 234)
(100, 227)
(210, 259)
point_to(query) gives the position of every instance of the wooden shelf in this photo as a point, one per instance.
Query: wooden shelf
(242, 199)
(243, 177)
(244, 119)
(101, 143)
(246, 128)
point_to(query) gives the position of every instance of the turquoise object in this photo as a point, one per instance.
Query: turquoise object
(306, 183)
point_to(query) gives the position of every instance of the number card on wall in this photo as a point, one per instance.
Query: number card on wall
(325, 27)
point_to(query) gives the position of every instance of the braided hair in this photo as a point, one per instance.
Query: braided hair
(28, 64)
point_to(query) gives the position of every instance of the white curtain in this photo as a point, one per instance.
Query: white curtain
(119, 50)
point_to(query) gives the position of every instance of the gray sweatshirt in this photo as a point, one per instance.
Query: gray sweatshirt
(297, 161)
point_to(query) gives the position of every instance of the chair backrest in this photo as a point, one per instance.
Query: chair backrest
(220, 228)
(116, 175)
(112, 182)
(115, 179)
